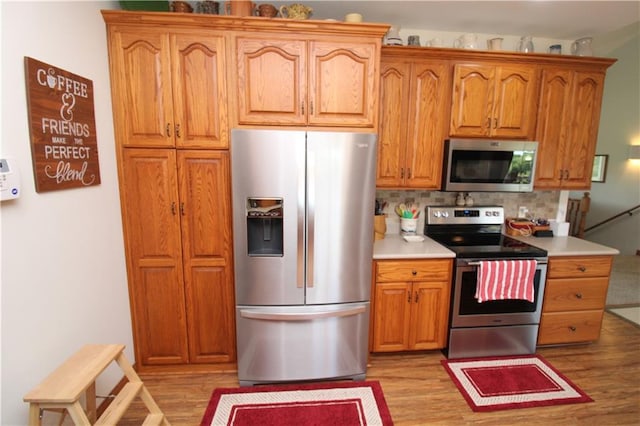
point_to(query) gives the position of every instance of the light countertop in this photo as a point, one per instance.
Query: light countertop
(393, 246)
(568, 246)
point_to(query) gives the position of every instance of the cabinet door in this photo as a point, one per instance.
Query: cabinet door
(473, 92)
(141, 88)
(392, 317)
(152, 228)
(343, 83)
(554, 114)
(392, 136)
(427, 124)
(514, 110)
(271, 81)
(199, 91)
(206, 243)
(583, 130)
(429, 315)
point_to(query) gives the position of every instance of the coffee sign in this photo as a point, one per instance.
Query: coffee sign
(64, 147)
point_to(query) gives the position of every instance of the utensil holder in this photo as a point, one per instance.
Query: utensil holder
(409, 226)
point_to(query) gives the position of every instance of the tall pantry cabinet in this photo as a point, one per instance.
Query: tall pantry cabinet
(169, 95)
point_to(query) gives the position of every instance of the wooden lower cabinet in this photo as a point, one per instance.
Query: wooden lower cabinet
(411, 304)
(574, 299)
(178, 239)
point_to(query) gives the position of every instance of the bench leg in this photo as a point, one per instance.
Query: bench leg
(34, 415)
(78, 415)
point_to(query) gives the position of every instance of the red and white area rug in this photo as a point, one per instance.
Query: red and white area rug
(341, 403)
(491, 384)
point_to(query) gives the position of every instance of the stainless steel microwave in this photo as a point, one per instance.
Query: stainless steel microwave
(476, 165)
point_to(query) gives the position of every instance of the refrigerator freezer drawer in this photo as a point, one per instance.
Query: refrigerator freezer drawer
(285, 344)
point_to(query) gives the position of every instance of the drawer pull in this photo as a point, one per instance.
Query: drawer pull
(582, 268)
(578, 295)
(572, 328)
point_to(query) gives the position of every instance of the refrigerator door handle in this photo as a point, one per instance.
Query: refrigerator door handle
(311, 210)
(301, 223)
(269, 316)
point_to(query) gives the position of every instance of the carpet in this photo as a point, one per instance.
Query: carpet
(624, 285)
(337, 403)
(491, 384)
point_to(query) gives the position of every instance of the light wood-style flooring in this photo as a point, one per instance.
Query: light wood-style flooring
(418, 391)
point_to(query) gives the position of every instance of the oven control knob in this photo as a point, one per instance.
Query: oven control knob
(436, 213)
(445, 214)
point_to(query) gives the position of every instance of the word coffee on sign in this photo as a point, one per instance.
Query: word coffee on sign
(62, 125)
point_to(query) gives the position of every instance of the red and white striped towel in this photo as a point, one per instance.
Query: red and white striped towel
(505, 279)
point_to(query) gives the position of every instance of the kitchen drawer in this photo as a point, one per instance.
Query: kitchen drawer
(569, 327)
(570, 294)
(578, 267)
(403, 271)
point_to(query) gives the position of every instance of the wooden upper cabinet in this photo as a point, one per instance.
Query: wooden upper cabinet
(494, 100)
(394, 112)
(567, 129)
(343, 83)
(168, 89)
(414, 95)
(272, 81)
(306, 82)
(199, 91)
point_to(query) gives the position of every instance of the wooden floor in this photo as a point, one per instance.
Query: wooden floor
(418, 391)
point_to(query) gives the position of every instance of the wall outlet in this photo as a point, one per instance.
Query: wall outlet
(522, 212)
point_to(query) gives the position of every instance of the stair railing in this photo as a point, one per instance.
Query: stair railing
(628, 211)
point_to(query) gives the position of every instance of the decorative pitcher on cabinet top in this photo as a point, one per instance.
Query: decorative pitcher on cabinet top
(582, 47)
(295, 11)
(240, 7)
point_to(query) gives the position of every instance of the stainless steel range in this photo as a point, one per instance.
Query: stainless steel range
(490, 328)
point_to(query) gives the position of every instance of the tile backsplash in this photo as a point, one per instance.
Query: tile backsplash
(540, 204)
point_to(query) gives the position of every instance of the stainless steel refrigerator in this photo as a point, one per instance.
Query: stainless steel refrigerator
(303, 244)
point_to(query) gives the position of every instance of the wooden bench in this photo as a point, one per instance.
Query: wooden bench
(63, 388)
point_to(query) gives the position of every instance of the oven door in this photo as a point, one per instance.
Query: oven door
(467, 312)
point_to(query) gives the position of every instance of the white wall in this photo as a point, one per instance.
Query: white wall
(619, 127)
(63, 267)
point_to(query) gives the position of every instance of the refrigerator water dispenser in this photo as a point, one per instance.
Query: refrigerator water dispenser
(264, 227)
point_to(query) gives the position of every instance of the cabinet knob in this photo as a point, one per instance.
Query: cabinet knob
(416, 298)
(578, 295)
(408, 296)
(402, 173)
(414, 272)
(572, 328)
(302, 107)
(168, 130)
(582, 268)
(409, 173)
(178, 130)
(173, 208)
